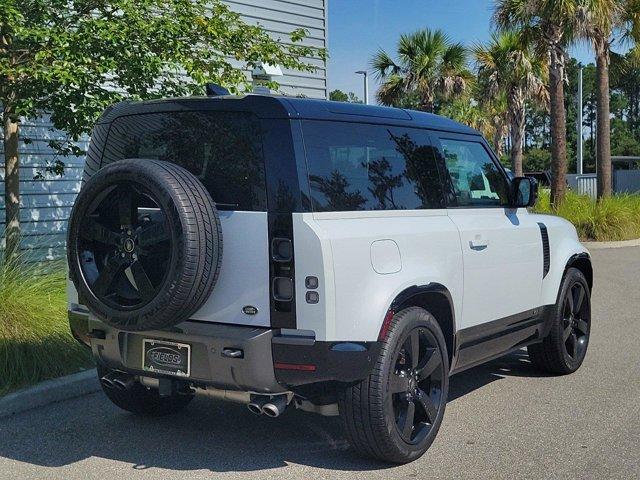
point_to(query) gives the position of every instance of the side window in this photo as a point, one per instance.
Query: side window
(475, 178)
(370, 167)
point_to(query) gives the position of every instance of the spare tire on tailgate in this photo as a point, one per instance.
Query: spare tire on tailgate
(144, 244)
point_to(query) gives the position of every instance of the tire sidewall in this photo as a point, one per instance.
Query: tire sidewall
(572, 276)
(408, 320)
(135, 172)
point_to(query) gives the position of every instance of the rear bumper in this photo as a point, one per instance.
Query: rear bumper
(270, 361)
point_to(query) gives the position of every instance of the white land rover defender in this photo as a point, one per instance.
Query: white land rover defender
(342, 259)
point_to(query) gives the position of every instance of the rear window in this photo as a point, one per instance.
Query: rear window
(223, 149)
(370, 167)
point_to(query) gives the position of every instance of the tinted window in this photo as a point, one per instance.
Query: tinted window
(370, 167)
(475, 178)
(223, 149)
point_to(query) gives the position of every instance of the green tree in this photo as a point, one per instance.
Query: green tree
(600, 21)
(488, 116)
(551, 26)
(429, 68)
(589, 116)
(625, 77)
(72, 58)
(537, 160)
(508, 65)
(623, 141)
(340, 96)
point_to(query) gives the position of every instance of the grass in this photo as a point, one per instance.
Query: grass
(35, 341)
(610, 219)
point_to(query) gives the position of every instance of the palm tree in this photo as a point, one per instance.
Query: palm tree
(509, 65)
(429, 68)
(488, 116)
(495, 109)
(551, 26)
(599, 19)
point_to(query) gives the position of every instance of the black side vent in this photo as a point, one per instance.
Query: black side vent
(546, 254)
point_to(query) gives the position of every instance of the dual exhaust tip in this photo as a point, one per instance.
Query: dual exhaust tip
(118, 380)
(270, 406)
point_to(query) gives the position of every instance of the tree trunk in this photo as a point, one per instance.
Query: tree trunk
(558, 127)
(497, 141)
(517, 114)
(11, 185)
(603, 138)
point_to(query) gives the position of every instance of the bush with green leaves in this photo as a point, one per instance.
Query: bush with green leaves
(609, 219)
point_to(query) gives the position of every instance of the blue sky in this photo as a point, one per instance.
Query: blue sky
(357, 28)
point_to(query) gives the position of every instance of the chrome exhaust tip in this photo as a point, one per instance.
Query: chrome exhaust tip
(254, 408)
(107, 380)
(122, 381)
(256, 403)
(119, 380)
(275, 406)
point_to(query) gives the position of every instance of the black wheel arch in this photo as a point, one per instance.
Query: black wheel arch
(582, 261)
(437, 300)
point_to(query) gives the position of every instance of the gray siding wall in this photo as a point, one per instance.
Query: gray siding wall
(46, 204)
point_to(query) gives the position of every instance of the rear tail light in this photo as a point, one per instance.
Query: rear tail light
(283, 289)
(281, 249)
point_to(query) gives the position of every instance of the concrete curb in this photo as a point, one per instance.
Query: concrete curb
(50, 391)
(603, 245)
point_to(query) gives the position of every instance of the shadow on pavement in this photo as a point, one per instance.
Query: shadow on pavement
(209, 435)
(516, 364)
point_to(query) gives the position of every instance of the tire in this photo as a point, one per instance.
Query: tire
(372, 414)
(144, 244)
(142, 400)
(563, 350)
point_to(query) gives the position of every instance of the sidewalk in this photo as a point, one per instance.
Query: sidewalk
(50, 391)
(621, 244)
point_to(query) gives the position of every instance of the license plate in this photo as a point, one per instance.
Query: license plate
(166, 357)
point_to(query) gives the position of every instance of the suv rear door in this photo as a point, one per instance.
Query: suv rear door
(225, 151)
(501, 246)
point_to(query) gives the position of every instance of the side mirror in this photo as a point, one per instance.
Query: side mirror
(524, 192)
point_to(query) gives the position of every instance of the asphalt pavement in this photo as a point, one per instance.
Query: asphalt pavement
(503, 420)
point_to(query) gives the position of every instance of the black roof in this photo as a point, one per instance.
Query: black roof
(277, 106)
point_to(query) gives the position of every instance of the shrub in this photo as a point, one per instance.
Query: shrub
(609, 219)
(536, 159)
(35, 341)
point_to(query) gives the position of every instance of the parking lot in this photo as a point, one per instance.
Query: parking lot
(503, 420)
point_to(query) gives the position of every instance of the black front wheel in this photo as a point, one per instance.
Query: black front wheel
(564, 348)
(395, 413)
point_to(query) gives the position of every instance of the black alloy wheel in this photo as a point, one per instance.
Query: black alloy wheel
(564, 349)
(576, 322)
(125, 246)
(144, 244)
(416, 385)
(395, 413)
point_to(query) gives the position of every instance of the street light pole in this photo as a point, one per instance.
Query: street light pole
(366, 85)
(579, 168)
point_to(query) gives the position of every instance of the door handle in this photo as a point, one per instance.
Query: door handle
(478, 243)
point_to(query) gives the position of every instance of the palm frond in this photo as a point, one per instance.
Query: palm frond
(454, 58)
(429, 66)
(510, 14)
(392, 90)
(383, 65)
